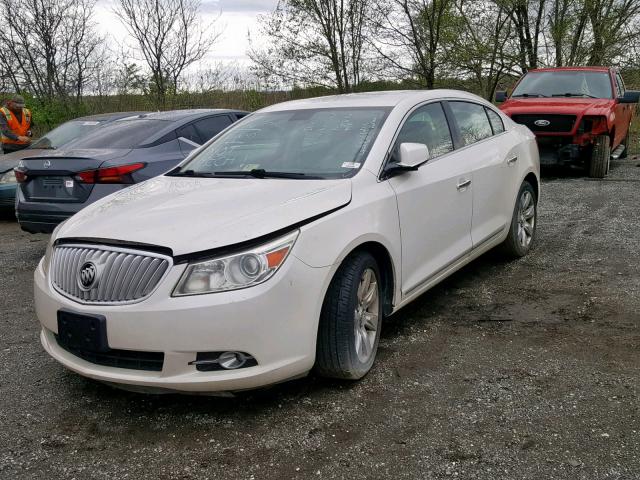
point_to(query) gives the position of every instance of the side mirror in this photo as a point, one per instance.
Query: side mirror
(501, 97)
(412, 155)
(630, 96)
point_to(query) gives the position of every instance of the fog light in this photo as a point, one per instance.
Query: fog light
(215, 361)
(232, 360)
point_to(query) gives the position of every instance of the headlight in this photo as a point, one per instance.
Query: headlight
(240, 270)
(8, 177)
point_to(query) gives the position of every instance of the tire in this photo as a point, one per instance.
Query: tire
(626, 143)
(600, 157)
(525, 212)
(338, 355)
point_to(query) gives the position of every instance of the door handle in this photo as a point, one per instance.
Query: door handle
(463, 184)
(512, 161)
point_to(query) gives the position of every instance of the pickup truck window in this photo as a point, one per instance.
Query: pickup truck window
(565, 83)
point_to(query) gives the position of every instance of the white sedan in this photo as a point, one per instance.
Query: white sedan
(279, 247)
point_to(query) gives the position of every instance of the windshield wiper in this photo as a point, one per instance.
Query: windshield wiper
(188, 173)
(568, 94)
(530, 95)
(262, 173)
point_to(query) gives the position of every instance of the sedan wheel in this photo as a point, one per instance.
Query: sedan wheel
(349, 329)
(526, 219)
(522, 231)
(366, 315)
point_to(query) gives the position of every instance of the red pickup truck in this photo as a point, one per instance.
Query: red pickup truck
(580, 115)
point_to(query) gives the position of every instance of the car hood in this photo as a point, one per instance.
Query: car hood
(191, 215)
(557, 106)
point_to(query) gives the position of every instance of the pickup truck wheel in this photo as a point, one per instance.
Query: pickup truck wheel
(600, 157)
(626, 143)
(522, 231)
(350, 321)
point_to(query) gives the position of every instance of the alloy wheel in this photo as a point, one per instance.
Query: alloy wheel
(366, 315)
(526, 219)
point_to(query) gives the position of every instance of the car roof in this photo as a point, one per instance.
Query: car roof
(561, 69)
(107, 117)
(389, 98)
(186, 115)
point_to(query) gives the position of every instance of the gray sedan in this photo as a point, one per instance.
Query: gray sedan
(127, 151)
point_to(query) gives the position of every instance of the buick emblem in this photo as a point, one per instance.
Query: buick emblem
(46, 164)
(87, 276)
(542, 123)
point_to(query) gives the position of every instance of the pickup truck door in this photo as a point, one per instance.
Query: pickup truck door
(624, 113)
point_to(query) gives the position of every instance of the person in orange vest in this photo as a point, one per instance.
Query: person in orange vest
(15, 125)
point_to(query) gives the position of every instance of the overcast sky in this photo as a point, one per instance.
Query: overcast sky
(237, 17)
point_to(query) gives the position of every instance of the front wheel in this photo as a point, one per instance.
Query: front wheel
(600, 157)
(349, 329)
(522, 231)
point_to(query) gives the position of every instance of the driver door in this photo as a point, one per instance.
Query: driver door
(434, 202)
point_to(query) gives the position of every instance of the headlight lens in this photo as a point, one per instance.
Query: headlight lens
(8, 177)
(233, 272)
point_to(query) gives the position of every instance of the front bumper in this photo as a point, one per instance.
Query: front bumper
(275, 322)
(561, 150)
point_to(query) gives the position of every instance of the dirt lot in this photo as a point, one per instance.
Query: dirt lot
(522, 370)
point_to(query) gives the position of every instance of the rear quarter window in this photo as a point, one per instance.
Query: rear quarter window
(497, 125)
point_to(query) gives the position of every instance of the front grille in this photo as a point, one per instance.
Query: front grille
(557, 123)
(119, 275)
(133, 360)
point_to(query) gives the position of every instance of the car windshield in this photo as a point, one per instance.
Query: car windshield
(569, 83)
(65, 133)
(317, 143)
(129, 133)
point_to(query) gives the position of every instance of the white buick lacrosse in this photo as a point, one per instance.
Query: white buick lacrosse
(279, 247)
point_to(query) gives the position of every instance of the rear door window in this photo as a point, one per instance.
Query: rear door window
(190, 133)
(428, 125)
(472, 122)
(209, 127)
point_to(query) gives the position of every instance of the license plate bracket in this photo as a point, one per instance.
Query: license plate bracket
(82, 331)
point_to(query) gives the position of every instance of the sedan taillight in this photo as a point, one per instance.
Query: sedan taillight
(119, 174)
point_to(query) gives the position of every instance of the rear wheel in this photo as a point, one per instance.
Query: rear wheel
(349, 329)
(600, 157)
(522, 231)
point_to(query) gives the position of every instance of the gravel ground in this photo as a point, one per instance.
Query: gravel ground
(521, 370)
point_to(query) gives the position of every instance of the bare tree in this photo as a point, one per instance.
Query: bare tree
(484, 50)
(48, 47)
(169, 36)
(315, 42)
(411, 35)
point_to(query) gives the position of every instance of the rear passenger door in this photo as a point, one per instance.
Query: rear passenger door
(493, 163)
(434, 202)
